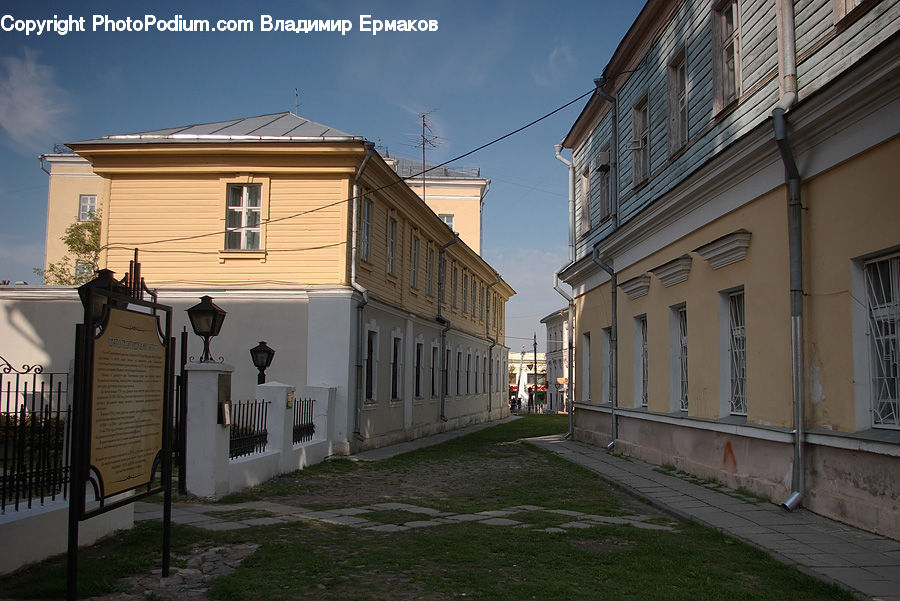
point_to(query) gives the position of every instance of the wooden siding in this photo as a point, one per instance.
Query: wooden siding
(825, 50)
(178, 223)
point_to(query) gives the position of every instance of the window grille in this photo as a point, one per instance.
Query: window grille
(738, 353)
(683, 357)
(644, 374)
(883, 304)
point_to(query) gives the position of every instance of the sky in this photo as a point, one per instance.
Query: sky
(490, 68)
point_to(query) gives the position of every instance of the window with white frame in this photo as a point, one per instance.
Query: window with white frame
(737, 352)
(586, 367)
(365, 229)
(453, 281)
(420, 350)
(469, 373)
(448, 219)
(435, 371)
(640, 141)
(603, 191)
(391, 244)
(87, 206)
(585, 221)
(475, 372)
(679, 348)
(641, 364)
(678, 103)
(396, 367)
(414, 263)
(242, 217)
(606, 353)
(727, 63)
(447, 372)
(429, 270)
(371, 371)
(458, 372)
(465, 292)
(473, 297)
(883, 313)
(484, 370)
(481, 302)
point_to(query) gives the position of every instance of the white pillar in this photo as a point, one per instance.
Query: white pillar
(279, 420)
(207, 440)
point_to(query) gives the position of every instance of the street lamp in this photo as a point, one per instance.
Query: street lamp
(206, 320)
(262, 357)
(103, 281)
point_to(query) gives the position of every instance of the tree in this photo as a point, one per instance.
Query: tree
(82, 240)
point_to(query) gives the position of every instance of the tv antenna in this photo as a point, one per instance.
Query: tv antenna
(427, 139)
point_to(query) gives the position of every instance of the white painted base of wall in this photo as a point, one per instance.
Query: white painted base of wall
(35, 534)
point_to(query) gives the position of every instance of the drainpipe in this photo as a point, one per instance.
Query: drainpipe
(571, 166)
(613, 346)
(570, 393)
(613, 150)
(795, 243)
(354, 257)
(444, 321)
(487, 334)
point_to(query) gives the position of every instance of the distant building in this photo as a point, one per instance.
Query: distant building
(557, 355)
(522, 371)
(736, 174)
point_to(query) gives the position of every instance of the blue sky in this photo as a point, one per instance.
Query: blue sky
(490, 68)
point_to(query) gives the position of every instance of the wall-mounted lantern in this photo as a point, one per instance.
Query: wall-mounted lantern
(262, 357)
(206, 320)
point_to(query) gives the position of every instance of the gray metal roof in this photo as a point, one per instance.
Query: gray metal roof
(409, 167)
(276, 127)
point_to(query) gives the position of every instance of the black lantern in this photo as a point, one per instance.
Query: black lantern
(206, 320)
(103, 281)
(262, 357)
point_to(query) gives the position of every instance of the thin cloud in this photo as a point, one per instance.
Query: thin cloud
(32, 105)
(558, 63)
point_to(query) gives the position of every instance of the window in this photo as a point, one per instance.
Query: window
(606, 352)
(414, 264)
(371, 367)
(242, 217)
(473, 297)
(434, 371)
(87, 206)
(453, 286)
(737, 351)
(603, 191)
(84, 268)
(842, 8)
(641, 360)
(448, 219)
(365, 229)
(585, 222)
(396, 357)
(458, 371)
(586, 367)
(640, 143)
(679, 358)
(678, 103)
(883, 309)
(481, 302)
(465, 293)
(391, 244)
(727, 44)
(429, 270)
(484, 369)
(418, 374)
(447, 372)
(469, 373)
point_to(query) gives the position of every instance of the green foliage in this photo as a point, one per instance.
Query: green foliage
(82, 240)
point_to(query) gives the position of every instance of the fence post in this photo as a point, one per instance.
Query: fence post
(209, 384)
(279, 419)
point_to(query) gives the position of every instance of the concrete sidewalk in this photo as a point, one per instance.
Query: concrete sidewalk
(864, 563)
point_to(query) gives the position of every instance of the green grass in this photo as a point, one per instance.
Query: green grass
(490, 469)
(743, 494)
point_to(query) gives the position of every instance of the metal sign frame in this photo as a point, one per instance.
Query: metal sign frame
(126, 296)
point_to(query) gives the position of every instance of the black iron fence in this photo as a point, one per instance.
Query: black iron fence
(34, 435)
(304, 428)
(249, 434)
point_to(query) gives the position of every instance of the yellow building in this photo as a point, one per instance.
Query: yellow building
(734, 250)
(310, 240)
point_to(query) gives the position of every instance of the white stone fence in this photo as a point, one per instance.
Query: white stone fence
(210, 473)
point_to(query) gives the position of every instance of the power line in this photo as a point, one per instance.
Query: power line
(397, 181)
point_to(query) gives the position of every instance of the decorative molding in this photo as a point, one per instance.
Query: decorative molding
(636, 287)
(726, 250)
(674, 272)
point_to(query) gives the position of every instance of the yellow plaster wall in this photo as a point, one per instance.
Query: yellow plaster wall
(464, 203)
(67, 182)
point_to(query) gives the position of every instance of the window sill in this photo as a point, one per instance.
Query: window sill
(370, 404)
(228, 255)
